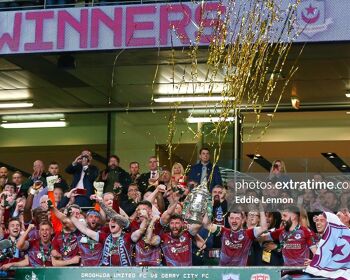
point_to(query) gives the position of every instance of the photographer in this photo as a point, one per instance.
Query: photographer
(114, 176)
(84, 175)
(38, 175)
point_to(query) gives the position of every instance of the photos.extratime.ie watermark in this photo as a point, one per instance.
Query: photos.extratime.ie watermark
(309, 184)
(314, 192)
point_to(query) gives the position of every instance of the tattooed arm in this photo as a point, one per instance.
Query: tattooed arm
(110, 213)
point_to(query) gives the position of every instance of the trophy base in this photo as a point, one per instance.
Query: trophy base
(193, 221)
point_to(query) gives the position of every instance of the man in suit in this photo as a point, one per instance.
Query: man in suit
(84, 175)
(153, 173)
(203, 170)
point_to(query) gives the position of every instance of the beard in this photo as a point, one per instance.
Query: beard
(287, 224)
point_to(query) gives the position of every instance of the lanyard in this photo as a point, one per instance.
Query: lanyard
(289, 235)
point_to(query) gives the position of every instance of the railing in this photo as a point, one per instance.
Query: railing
(145, 273)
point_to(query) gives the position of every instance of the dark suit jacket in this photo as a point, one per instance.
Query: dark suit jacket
(143, 182)
(91, 174)
(196, 173)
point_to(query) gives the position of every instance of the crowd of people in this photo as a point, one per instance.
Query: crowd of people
(116, 217)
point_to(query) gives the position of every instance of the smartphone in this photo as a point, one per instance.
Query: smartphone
(81, 191)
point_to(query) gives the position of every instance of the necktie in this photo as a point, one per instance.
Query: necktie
(204, 173)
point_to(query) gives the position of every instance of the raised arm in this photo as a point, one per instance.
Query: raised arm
(207, 224)
(164, 219)
(22, 243)
(110, 213)
(263, 224)
(27, 212)
(84, 229)
(151, 238)
(137, 234)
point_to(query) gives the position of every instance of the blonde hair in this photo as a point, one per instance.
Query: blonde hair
(283, 166)
(179, 165)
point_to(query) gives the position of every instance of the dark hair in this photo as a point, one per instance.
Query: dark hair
(236, 212)
(17, 172)
(53, 163)
(145, 202)
(218, 187)
(293, 209)
(176, 217)
(12, 185)
(134, 162)
(12, 220)
(203, 149)
(116, 157)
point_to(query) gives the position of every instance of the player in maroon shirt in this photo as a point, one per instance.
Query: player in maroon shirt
(92, 240)
(118, 247)
(177, 243)
(65, 250)
(236, 241)
(39, 250)
(12, 254)
(146, 237)
(295, 240)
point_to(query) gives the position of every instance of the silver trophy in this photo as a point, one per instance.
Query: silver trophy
(99, 188)
(197, 204)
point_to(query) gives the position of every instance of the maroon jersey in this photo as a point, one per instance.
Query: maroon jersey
(91, 250)
(177, 251)
(117, 251)
(39, 254)
(66, 244)
(235, 246)
(295, 244)
(146, 255)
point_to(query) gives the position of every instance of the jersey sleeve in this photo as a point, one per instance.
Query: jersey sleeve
(275, 235)
(309, 237)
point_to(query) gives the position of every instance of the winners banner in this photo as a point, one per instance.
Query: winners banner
(145, 273)
(153, 25)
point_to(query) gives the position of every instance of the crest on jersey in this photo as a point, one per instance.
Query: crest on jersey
(241, 237)
(297, 236)
(182, 238)
(230, 276)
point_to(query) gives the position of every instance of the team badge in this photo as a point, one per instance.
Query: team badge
(230, 276)
(182, 238)
(312, 17)
(297, 236)
(240, 237)
(260, 276)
